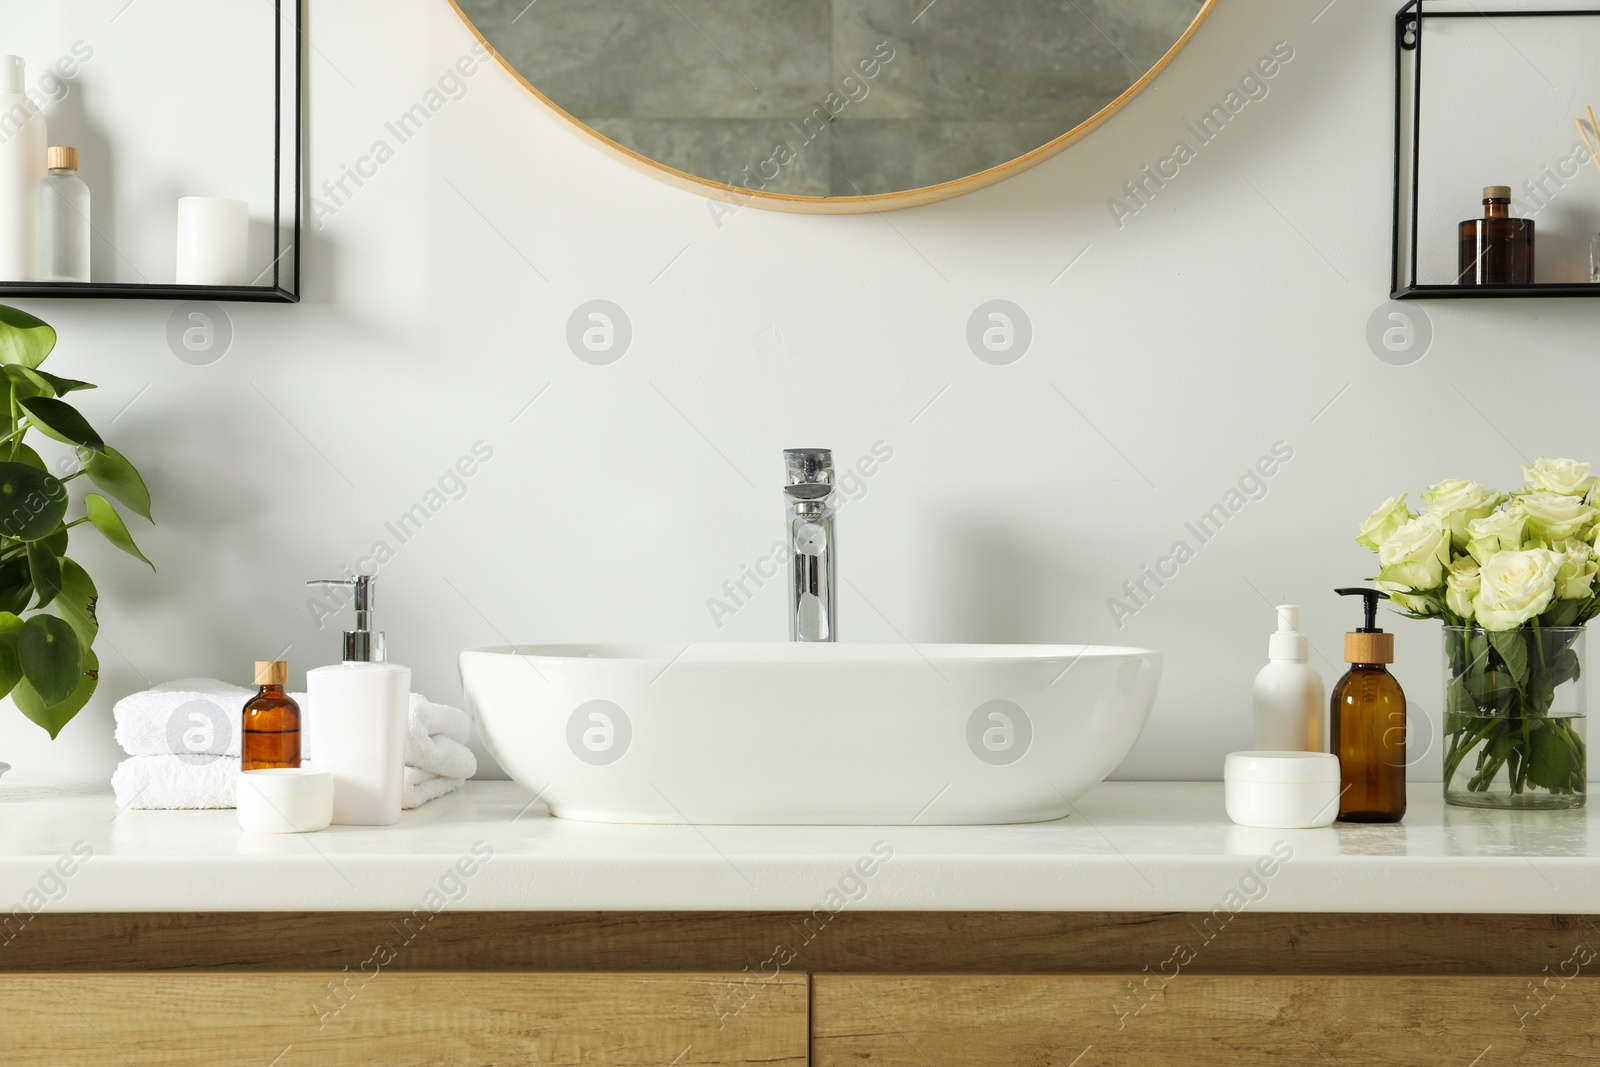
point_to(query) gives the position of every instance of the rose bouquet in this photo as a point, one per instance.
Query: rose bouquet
(1513, 577)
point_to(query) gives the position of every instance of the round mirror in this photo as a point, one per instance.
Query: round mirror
(834, 105)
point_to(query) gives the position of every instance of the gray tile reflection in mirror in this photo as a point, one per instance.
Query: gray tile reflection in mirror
(797, 96)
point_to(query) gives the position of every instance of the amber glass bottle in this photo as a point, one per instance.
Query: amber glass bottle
(271, 721)
(1496, 249)
(1367, 724)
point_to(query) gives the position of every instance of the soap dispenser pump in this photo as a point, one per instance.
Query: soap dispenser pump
(1367, 718)
(358, 716)
(1288, 693)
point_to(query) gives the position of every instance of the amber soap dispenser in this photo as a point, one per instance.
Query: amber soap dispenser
(1367, 723)
(1496, 249)
(271, 721)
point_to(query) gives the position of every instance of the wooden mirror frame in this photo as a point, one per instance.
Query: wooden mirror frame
(841, 205)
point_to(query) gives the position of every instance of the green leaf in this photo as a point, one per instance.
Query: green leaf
(16, 585)
(10, 658)
(76, 602)
(61, 420)
(46, 571)
(52, 662)
(111, 471)
(56, 542)
(1549, 760)
(55, 716)
(25, 382)
(32, 502)
(24, 340)
(1563, 613)
(1513, 650)
(26, 454)
(108, 522)
(63, 386)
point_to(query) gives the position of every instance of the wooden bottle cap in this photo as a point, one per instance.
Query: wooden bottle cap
(272, 671)
(60, 157)
(1368, 648)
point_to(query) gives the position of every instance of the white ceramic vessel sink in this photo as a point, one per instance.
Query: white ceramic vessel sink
(810, 733)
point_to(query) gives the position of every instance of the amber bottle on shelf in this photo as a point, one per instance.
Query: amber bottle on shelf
(271, 721)
(1496, 249)
(1367, 723)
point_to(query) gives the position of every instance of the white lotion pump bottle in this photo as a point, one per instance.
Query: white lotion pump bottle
(357, 720)
(24, 142)
(1290, 708)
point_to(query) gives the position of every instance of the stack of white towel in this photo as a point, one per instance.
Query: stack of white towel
(182, 740)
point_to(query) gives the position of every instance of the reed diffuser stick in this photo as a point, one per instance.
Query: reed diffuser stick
(1594, 154)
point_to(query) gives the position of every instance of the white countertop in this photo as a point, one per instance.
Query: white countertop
(1130, 846)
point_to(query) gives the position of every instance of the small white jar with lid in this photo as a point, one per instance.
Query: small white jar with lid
(285, 800)
(1281, 790)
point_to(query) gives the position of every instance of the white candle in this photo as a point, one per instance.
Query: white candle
(213, 241)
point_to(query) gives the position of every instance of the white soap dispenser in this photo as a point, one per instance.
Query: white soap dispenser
(357, 714)
(1290, 706)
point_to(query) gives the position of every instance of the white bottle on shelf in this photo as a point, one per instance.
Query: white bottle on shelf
(357, 716)
(1290, 713)
(23, 142)
(63, 220)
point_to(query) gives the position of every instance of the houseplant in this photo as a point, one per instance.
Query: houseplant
(1512, 576)
(47, 600)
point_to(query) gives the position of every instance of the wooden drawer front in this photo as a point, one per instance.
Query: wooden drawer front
(1198, 1021)
(288, 1020)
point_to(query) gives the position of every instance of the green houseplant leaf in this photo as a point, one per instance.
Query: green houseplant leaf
(25, 382)
(10, 657)
(24, 340)
(111, 471)
(45, 570)
(16, 585)
(32, 502)
(52, 662)
(107, 521)
(61, 420)
(63, 386)
(54, 717)
(76, 602)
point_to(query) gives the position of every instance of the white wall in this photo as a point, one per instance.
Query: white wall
(1226, 316)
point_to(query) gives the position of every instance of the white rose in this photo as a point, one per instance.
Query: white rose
(1415, 555)
(1515, 587)
(1565, 477)
(1458, 502)
(1497, 532)
(1578, 568)
(1377, 527)
(1461, 585)
(1557, 517)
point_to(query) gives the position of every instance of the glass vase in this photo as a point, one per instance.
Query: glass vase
(1514, 717)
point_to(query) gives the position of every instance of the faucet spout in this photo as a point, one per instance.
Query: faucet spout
(810, 502)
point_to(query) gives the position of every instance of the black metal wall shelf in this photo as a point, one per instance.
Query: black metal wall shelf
(1410, 31)
(284, 271)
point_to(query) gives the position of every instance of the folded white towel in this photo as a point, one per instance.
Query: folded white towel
(173, 781)
(421, 787)
(197, 716)
(183, 738)
(438, 719)
(438, 754)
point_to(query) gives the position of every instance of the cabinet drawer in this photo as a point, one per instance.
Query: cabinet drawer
(1199, 1021)
(401, 1018)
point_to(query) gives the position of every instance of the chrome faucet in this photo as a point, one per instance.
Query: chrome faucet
(810, 502)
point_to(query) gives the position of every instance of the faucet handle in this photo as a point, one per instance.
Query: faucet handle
(808, 465)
